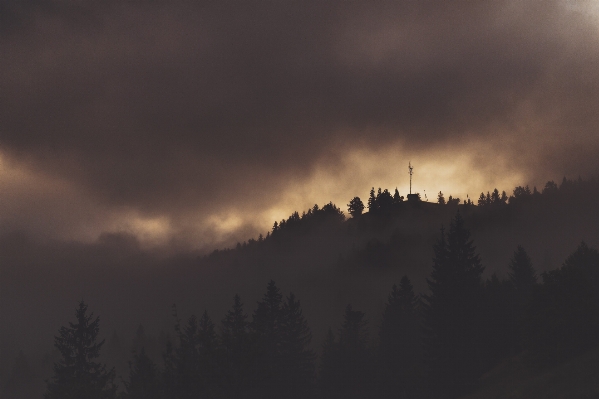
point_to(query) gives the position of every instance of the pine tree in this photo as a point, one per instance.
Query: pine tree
(396, 197)
(329, 373)
(384, 200)
(440, 198)
(495, 197)
(187, 360)
(399, 343)
(237, 350)
(453, 312)
(482, 200)
(355, 364)
(564, 317)
(521, 273)
(143, 378)
(372, 204)
(297, 360)
(208, 362)
(266, 331)
(78, 374)
(355, 207)
(169, 376)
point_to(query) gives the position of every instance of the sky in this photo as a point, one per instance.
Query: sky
(195, 124)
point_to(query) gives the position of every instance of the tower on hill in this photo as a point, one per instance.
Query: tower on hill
(412, 197)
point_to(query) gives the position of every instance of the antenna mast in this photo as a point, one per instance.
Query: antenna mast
(410, 169)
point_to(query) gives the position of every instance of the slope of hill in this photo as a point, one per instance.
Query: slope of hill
(517, 378)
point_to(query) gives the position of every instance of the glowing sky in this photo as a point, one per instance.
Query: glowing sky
(201, 123)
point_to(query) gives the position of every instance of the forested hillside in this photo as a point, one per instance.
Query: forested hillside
(398, 298)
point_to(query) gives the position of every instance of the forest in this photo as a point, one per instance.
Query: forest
(448, 318)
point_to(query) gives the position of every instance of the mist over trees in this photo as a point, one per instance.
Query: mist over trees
(400, 304)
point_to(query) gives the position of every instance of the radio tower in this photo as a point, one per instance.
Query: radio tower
(410, 168)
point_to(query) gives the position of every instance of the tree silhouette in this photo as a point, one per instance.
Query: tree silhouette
(143, 378)
(77, 374)
(297, 360)
(355, 207)
(396, 197)
(187, 360)
(384, 200)
(354, 360)
(266, 330)
(372, 203)
(440, 198)
(237, 350)
(521, 273)
(453, 201)
(207, 349)
(329, 373)
(399, 343)
(452, 311)
(482, 201)
(564, 316)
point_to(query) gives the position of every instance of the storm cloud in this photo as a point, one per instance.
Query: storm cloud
(206, 121)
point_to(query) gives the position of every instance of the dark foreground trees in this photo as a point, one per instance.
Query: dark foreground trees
(434, 349)
(346, 365)
(453, 313)
(400, 366)
(78, 375)
(564, 316)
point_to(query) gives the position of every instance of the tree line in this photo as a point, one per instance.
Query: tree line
(381, 203)
(433, 345)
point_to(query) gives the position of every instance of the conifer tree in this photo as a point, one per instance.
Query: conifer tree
(482, 200)
(78, 374)
(187, 360)
(329, 376)
(207, 350)
(396, 197)
(143, 378)
(355, 365)
(564, 317)
(453, 312)
(495, 197)
(372, 204)
(237, 350)
(440, 198)
(384, 200)
(168, 381)
(399, 343)
(297, 360)
(521, 273)
(355, 207)
(266, 331)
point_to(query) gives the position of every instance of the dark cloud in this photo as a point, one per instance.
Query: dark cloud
(181, 107)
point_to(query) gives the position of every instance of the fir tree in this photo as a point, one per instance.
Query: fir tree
(187, 360)
(355, 366)
(329, 373)
(143, 378)
(453, 312)
(396, 197)
(399, 343)
(78, 374)
(355, 207)
(440, 198)
(297, 360)
(384, 200)
(266, 330)
(237, 350)
(372, 204)
(521, 273)
(169, 376)
(207, 350)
